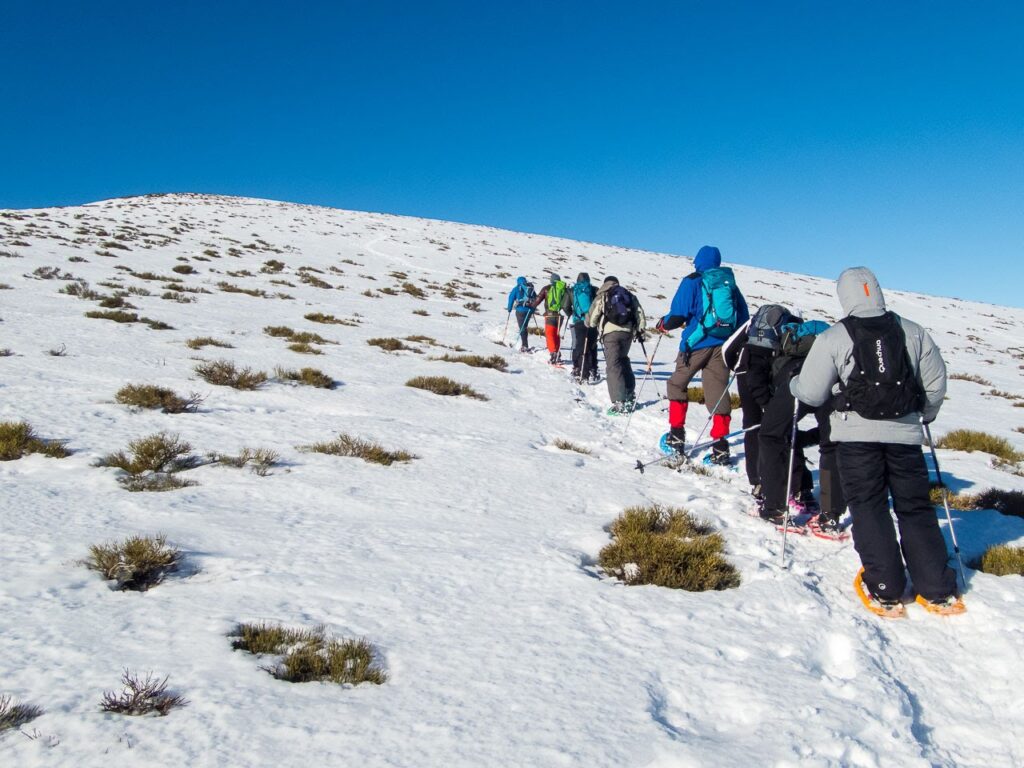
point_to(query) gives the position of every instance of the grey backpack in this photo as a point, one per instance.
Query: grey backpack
(764, 329)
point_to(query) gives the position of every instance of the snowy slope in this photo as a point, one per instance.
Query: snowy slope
(472, 567)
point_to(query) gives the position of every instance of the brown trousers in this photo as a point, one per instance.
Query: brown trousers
(714, 378)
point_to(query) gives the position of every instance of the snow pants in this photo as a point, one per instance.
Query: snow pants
(618, 369)
(714, 378)
(523, 318)
(752, 414)
(871, 472)
(584, 350)
(552, 328)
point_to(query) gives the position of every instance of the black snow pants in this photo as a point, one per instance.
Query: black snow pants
(584, 340)
(773, 454)
(523, 319)
(871, 472)
(752, 414)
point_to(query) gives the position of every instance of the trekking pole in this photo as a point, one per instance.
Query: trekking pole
(504, 333)
(715, 408)
(945, 502)
(641, 466)
(789, 477)
(647, 375)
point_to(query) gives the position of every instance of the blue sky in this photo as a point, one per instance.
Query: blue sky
(798, 136)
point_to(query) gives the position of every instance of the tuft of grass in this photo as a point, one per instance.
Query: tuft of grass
(153, 397)
(279, 331)
(259, 460)
(272, 267)
(118, 316)
(320, 317)
(495, 362)
(414, 290)
(368, 451)
(1004, 394)
(183, 269)
(309, 376)
(442, 385)
(115, 302)
(137, 563)
(224, 373)
(971, 377)
(971, 440)
(17, 439)
(141, 696)
(421, 312)
(667, 547)
(1006, 502)
(312, 655)
(14, 715)
(568, 445)
(81, 290)
(227, 287)
(535, 331)
(696, 395)
(390, 344)
(1002, 560)
(473, 306)
(304, 349)
(6, 352)
(206, 341)
(159, 453)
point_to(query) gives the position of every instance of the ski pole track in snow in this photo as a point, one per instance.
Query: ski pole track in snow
(472, 568)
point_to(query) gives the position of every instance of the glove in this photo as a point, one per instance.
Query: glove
(660, 327)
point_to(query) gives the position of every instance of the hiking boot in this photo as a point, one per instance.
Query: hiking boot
(828, 523)
(757, 493)
(773, 516)
(524, 348)
(594, 378)
(718, 457)
(676, 439)
(810, 504)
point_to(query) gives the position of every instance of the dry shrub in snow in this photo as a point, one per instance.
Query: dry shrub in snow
(667, 547)
(141, 696)
(150, 396)
(414, 290)
(304, 349)
(312, 655)
(346, 445)
(224, 373)
(183, 269)
(971, 440)
(970, 377)
(14, 715)
(311, 377)
(161, 452)
(320, 317)
(696, 395)
(259, 460)
(137, 563)
(206, 341)
(568, 445)
(1002, 560)
(390, 344)
(17, 439)
(442, 385)
(495, 362)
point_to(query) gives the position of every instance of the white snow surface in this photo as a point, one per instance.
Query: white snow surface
(472, 569)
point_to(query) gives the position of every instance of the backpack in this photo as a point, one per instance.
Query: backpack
(763, 330)
(795, 341)
(718, 287)
(556, 294)
(524, 295)
(883, 384)
(582, 297)
(620, 307)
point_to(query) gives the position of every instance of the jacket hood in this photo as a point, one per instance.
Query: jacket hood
(707, 257)
(520, 281)
(554, 278)
(859, 293)
(582, 277)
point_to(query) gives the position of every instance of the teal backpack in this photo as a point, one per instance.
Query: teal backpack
(719, 320)
(582, 297)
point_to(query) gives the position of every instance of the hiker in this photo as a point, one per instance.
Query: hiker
(891, 380)
(555, 298)
(617, 316)
(584, 339)
(711, 308)
(519, 299)
(775, 441)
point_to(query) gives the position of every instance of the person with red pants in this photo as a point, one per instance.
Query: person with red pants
(556, 300)
(700, 350)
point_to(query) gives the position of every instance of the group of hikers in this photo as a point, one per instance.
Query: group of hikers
(872, 381)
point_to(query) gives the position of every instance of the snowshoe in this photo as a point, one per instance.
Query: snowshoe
(825, 527)
(594, 378)
(673, 441)
(951, 606)
(889, 609)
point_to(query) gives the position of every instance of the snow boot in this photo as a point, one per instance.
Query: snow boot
(889, 609)
(594, 378)
(676, 439)
(951, 606)
(719, 457)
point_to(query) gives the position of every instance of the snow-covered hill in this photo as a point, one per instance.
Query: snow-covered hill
(470, 568)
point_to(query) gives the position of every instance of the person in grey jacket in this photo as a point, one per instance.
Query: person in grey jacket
(879, 457)
(617, 339)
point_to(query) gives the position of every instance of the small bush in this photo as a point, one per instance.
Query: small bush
(320, 317)
(696, 395)
(117, 316)
(259, 460)
(1006, 502)
(496, 362)
(137, 563)
(6, 352)
(229, 288)
(80, 289)
(206, 341)
(568, 445)
(17, 439)
(149, 396)
(1002, 560)
(279, 331)
(971, 440)
(962, 501)
(971, 377)
(224, 373)
(535, 331)
(115, 302)
(157, 483)
(311, 655)
(272, 267)
(308, 376)
(304, 349)
(158, 453)
(421, 312)
(16, 715)
(390, 345)
(346, 445)
(473, 306)
(414, 290)
(181, 298)
(183, 269)
(442, 385)
(668, 548)
(141, 696)
(1003, 394)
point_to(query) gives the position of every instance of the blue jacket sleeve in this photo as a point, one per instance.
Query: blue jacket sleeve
(512, 298)
(684, 304)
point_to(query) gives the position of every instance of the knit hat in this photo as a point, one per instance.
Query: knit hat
(611, 279)
(554, 278)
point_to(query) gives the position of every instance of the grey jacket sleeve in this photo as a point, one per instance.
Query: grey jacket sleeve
(641, 319)
(820, 372)
(596, 310)
(932, 371)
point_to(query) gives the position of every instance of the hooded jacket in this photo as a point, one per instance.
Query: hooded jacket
(596, 318)
(582, 287)
(688, 303)
(513, 296)
(831, 361)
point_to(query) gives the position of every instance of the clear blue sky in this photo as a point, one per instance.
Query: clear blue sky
(799, 136)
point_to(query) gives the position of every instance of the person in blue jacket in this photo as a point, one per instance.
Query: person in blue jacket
(709, 307)
(520, 299)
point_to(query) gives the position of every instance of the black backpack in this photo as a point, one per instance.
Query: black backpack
(620, 307)
(763, 330)
(883, 384)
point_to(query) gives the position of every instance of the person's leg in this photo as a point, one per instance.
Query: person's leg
(920, 537)
(833, 503)
(676, 392)
(523, 318)
(627, 368)
(773, 450)
(579, 335)
(865, 479)
(752, 413)
(590, 358)
(616, 347)
(551, 335)
(715, 377)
